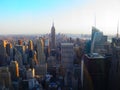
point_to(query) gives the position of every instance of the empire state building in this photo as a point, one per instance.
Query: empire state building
(53, 44)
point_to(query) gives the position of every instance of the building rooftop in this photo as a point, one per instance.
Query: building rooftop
(94, 56)
(117, 48)
(66, 43)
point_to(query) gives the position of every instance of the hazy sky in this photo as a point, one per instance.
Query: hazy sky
(69, 16)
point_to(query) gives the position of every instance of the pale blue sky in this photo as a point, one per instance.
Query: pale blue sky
(69, 16)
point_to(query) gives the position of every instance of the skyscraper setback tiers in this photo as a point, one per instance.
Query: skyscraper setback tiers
(53, 39)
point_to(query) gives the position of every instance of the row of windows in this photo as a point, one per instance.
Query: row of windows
(67, 48)
(67, 55)
(66, 51)
(67, 59)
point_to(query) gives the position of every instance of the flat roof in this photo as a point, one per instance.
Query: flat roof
(117, 46)
(94, 56)
(67, 44)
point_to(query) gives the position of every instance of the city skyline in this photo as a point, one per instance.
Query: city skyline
(69, 16)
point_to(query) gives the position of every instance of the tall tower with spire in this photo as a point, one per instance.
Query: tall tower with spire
(53, 44)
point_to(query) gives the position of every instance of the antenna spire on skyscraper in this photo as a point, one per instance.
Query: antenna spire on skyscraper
(95, 19)
(118, 29)
(53, 23)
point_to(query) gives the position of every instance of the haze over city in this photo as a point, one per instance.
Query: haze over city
(69, 16)
(59, 45)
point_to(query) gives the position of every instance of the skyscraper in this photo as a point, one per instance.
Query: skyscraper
(94, 30)
(20, 48)
(40, 51)
(67, 53)
(95, 66)
(116, 53)
(115, 64)
(3, 44)
(98, 41)
(18, 57)
(53, 44)
(41, 68)
(20, 42)
(8, 49)
(3, 55)
(30, 73)
(14, 69)
(47, 48)
(30, 45)
(5, 77)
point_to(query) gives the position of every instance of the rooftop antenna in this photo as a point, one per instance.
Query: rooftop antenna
(95, 20)
(53, 22)
(118, 29)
